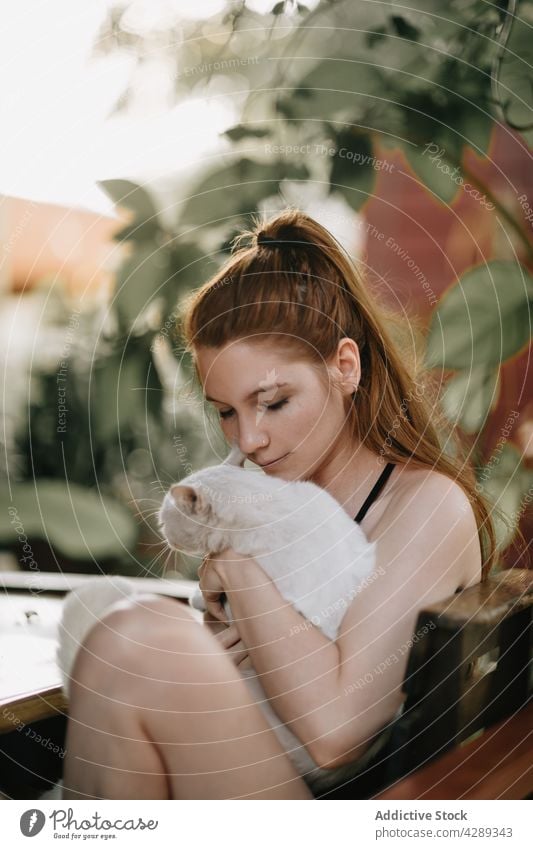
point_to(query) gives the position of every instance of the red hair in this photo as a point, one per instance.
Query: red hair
(295, 284)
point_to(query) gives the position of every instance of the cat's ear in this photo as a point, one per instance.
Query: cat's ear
(188, 498)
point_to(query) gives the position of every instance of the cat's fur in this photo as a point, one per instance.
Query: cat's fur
(299, 534)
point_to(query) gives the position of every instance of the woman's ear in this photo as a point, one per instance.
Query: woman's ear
(346, 366)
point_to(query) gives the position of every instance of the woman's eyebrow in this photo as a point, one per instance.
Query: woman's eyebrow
(267, 387)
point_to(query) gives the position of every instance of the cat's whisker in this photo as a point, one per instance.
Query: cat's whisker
(158, 557)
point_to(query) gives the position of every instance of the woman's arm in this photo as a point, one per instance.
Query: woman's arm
(296, 662)
(335, 696)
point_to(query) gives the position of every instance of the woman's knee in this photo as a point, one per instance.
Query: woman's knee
(142, 621)
(131, 635)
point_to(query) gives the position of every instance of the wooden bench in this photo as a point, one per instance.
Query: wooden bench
(465, 728)
(468, 687)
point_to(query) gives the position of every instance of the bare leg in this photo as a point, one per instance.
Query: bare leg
(159, 711)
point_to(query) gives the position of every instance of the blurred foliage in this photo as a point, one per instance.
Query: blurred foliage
(88, 480)
(347, 82)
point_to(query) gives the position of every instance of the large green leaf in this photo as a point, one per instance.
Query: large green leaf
(237, 190)
(118, 393)
(335, 88)
(428, 167)
(77, 522)
(483, 320)
(145, 224)
(353, 173)
(141, 277)
(469, 397)
(515, 88)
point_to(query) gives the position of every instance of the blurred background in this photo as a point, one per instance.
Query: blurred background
(139, 137)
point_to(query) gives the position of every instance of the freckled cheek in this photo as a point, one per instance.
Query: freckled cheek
(301, 420)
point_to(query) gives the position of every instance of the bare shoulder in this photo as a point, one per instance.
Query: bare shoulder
(428, 512)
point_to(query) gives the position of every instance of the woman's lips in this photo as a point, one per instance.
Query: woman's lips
(266, 465)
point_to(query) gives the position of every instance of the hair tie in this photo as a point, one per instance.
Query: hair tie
(263, 239)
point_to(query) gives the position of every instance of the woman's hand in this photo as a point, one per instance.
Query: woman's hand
(215, 616)
(229, 639)
(231, 642)
(211, 581)
(212, 589)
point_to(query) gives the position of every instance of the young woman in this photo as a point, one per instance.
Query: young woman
(306, 372)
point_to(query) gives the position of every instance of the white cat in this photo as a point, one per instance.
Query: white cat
(302, 538)
(313, 551)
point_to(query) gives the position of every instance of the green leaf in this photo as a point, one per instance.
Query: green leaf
(403, 28)
(145, 224)
(515, 88)
(430, 162)
(76, 521)
(188, 266)
(476, 128)
(335, 88)
(469, 397)
(504, 481)
(484, 319)
(237, 190)
(433, 173)
(141, 277)
(243, 131)
(118, 393)
(352, 173)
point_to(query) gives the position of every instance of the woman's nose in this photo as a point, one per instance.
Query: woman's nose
(252, 438)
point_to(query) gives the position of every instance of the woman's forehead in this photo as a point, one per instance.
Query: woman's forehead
(244, 369)
(242, 354)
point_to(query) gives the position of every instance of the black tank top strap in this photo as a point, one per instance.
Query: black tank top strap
(376, 489)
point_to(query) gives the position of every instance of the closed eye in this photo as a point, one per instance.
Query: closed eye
(227, 414)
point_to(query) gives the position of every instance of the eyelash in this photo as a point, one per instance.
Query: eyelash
(226, 414)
